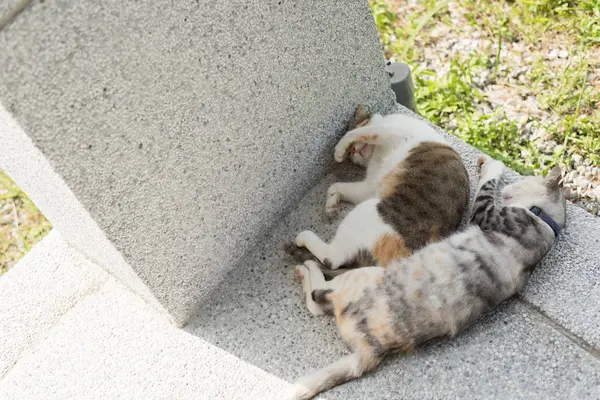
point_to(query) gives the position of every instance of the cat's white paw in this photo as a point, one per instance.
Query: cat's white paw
(490, 168)
(301, 272)
(332, 204)
(333, 200)
(302, 238)
(341, 151)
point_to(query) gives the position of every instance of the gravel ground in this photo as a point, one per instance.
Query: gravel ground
(511, 87)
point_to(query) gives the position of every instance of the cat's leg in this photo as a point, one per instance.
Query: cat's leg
(341, 293)
(313, 279)
(485, 200)
(374, 134)
(361, 228)
(313, 243)
(352, 192)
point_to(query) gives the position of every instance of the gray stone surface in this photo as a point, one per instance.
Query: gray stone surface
(113, 346)
(566, 285)
(43, 286)
(25, 164)
(187, 129)
(258, 314)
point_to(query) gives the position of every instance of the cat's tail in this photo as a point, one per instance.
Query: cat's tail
(345, 369)
(300, 254)
(362, 258)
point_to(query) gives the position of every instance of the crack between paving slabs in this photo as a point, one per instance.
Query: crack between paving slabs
(29, 349)
(543, 317)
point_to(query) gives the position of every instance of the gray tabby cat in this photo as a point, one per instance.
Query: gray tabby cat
(442, 288)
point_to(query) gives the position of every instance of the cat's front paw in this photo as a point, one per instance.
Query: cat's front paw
(482, 159)
(489, 168)
(341, 151)
(301, 272)
(333, 200)
(303, 238)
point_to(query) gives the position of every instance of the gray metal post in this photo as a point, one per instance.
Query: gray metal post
(402, 84)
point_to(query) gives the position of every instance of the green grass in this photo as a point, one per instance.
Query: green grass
(21, 223)
(450, 100)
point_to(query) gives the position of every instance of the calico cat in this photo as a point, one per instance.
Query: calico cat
(442, 288)
(415, 191)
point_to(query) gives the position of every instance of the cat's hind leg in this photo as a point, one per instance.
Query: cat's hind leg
(332, 256)
(315, 288)
(340, 294)
(359, 231)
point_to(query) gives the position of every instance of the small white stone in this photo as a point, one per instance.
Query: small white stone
(595, 193)
(582, 182)
(563, 54)
(553, 54)
(571, 176)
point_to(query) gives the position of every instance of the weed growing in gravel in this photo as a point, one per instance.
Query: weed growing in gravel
(519, 80)
(21, 223)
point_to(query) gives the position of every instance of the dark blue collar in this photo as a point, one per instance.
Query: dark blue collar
(544, 217)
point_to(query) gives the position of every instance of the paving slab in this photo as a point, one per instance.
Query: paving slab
(112, 345)
(36, 292)
(259, 315)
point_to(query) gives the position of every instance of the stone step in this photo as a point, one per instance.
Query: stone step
(82, 336)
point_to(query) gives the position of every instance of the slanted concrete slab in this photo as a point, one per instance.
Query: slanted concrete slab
(41, 288)
(113, 346)
(187, 130)
(29, 169)
(259, 315)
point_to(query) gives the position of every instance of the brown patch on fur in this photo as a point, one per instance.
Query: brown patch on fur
(434, 236)
(367, 138)
(338, 307)
(391, 181)
(388, 248)
(425, 196)
(380, 327)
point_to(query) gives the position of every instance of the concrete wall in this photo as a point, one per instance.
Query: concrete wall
(183, 130)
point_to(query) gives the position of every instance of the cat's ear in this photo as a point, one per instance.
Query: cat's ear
(553, 178)
(568, 193)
